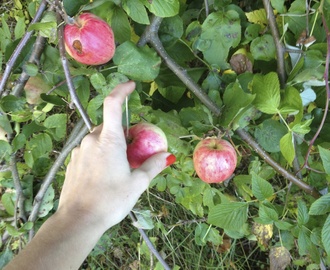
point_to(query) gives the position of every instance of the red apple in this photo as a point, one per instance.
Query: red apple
(90, 40)
(143, 141)
(214, 160)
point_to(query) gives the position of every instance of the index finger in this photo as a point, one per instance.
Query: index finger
(112, 107)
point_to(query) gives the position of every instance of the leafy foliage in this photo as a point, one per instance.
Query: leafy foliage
(228, 49)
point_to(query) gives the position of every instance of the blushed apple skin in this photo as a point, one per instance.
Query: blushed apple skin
(143, 141)
(214, 160)
(91, 42)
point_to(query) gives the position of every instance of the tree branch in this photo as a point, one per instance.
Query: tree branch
(150, 245)
(69, 81)
(34, 58)
(279, 46)
(79, 133)
(267, 158)
(151, 36)
(20, 198)
(20, 46)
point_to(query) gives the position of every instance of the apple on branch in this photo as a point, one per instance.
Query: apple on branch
(214, 160)
(144, 140)
(90, 40)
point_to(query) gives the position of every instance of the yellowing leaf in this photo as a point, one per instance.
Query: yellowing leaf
(263, 232)
(258, 17)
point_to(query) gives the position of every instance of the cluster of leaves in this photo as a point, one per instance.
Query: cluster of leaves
(227, 48)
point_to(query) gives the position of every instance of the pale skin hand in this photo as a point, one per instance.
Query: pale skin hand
(99, 191)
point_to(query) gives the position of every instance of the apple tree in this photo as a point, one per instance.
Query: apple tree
(254, 73)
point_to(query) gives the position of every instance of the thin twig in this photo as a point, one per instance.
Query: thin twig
(326, 79)
(20, 46)
(267, 158)
(69, 81)
(207, 9)
(20, 198)
(34, 58)
(151, 36)
(279, 46)
(150, 245)
(73, 141)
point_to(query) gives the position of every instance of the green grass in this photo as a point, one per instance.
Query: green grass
(122, 247)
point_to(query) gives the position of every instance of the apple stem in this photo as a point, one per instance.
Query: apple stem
(127, 120)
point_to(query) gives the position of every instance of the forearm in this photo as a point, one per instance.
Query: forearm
(63, 242)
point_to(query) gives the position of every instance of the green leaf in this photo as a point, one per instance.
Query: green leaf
(235, 101)
(56, 125)
(267, 215)
(163, 8)
(97, 80)
(267, 90)
(172, 93)
(287, 147)
(144, 219)
(263, 48)
(12, 104)
(261, 189)
(18, 142)
(303, 127)
(304, 241)
(137, 63)
(8, 202)
(303, 216)
(326, 235)
(205, 233)
(39, 145)
(19, 27)
(231, 216)
(269, 133)
(278, 5)
(120, 25)
(47, 203)
(283, 225)
(31, 69)
(94, 109)
(5, 150)
(136, 10)
(6, 255)
(321, 206)
(5, 123)
(12, 231)
(291, 104)
(171, 30)
(220, 32)
(325, 156)
(72, 7)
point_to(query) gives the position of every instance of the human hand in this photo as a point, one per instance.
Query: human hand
(99, 184)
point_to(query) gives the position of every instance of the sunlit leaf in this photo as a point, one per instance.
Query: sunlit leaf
(267, 90)
(231, 216)
(287, 147)
(263, 48)
(136, 10)
(163, 8)
(326, 235)
(303, 216)
(261, 189)
(257, 16)
(321, 206)
(325, 156)
(220, 31)
(137, 63)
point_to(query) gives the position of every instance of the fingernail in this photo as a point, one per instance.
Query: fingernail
(170, 160)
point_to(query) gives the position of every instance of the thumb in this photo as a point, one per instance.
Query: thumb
(153, 166)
